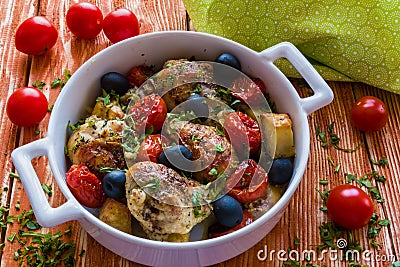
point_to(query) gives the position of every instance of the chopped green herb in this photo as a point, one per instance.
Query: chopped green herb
(56, 83)
(213, 171)
(14, 175)
(48, 189)
(50, 108)
(196, 202)
(39, 84)
(219, 148)
(194, 138)
(37, 132)
(350, 177)
(296, 241)
(337, 168)
(382, 162)
(155, 184)
(323, 182)
(323, 194)
(106, 100)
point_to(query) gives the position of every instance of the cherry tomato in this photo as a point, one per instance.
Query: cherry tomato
(260, 84)
(239, 126)
(219, 230)
(246, 91)
(35, 36)
(85, 20)
(120, 24)
(27, 106)
(369, 114)
(139, 74)
(85, 186)
(248, 183)
(349, 206)
(151, 147)
(149, 111)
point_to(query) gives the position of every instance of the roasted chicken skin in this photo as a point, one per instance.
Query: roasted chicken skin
(164, 202)
(97, 144)
(211, 149)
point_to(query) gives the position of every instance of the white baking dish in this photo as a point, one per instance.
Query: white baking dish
(153, 49)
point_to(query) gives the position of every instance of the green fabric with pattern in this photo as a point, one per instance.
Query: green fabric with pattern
(345, 40)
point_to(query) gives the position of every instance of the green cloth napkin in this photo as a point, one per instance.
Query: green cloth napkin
(345, 40)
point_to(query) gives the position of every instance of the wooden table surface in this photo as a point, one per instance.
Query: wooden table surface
(300, 223)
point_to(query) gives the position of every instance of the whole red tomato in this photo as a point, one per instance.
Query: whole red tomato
(85, 20)
(369, 114)
(27, 106)
(349, 206)
(121, 24)
(149, 111)
(248, 183)
(151, 147)
(219, 230)
(35, 36)
(243, 132)
(85, 186)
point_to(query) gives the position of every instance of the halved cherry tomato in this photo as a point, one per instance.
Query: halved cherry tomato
(246, 91)
(248, 183)
(369, 114)
(27, 106)
(349, 206)
(150, 111)
(85, 186)
(243, 132)
(35, 36)
(120, 24)
(151, 147)
(219, 230)
(85, 20)
(139, 74)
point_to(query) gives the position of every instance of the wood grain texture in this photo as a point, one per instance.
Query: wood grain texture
(302, 218)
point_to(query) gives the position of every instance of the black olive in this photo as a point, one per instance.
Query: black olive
(198, 105)
(228, 211)
(230, 60)
(114, 184)
(172, 155)
(115, 81)
(281, 171)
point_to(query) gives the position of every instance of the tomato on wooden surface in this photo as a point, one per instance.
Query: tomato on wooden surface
(120, 24)
(349, 206)
(35, 36)
(151, 147)
(27, 106)
(150, 111)
(369, 114)
(85, 186)
(248, 183)
(219, 230)
(243, 132)
(85, 20)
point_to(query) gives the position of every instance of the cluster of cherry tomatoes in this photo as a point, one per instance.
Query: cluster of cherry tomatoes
(28, 106)
(36, 35)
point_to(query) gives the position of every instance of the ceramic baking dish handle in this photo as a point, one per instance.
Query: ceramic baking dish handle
(323, 94)
(45, 214)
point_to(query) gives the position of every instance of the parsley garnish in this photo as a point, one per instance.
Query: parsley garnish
(39, 84)
(382, 162)
(219, 148)
(333, 140)
(213, 171)
(48, 189)
(155, 184)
